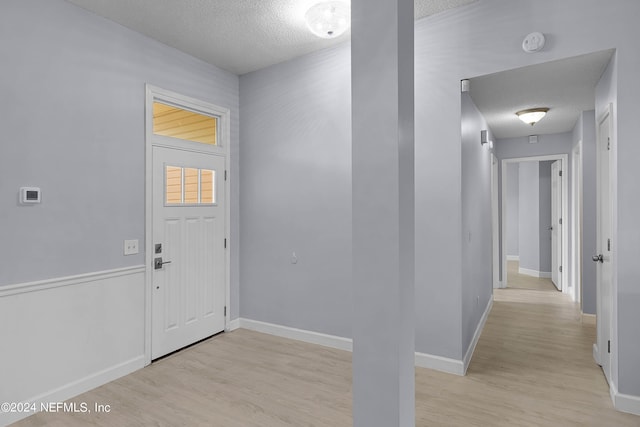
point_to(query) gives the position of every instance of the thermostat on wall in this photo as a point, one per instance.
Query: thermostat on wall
(29, 195)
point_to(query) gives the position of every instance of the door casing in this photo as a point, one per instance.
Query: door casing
(565, 214)
(154, 93)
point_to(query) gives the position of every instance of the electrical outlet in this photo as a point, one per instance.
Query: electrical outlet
(131, 247)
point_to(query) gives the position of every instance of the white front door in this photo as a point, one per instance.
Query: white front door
(188, 275)
(556, 223)
(604, 255)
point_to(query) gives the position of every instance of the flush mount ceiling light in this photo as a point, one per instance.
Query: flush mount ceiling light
(532, 115)
(328, 19)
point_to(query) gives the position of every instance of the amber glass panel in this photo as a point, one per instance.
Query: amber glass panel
(183, 124)
(173, 185)
(207, 187)
(190, 185)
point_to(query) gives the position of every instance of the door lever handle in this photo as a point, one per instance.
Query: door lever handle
(597, 258)
(158, 263)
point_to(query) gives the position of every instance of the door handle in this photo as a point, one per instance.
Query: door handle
(597, 258)
(158, 263)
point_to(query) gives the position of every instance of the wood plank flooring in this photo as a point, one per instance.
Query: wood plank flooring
(532, 367)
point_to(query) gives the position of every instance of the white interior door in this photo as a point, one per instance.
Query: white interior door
(556, 223)
(604, 256)
(188, 300)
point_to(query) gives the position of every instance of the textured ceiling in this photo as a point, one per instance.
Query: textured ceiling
(566, 86)
(237, 35)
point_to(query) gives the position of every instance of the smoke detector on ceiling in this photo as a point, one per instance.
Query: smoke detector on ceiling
(533, 42)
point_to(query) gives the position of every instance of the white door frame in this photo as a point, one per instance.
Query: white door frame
(576, 221)
(565, 211)
(495, 222)
(154, 93)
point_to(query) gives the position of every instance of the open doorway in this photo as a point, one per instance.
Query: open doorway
(535, 241)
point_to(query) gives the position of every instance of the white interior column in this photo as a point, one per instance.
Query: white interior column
(382, 56)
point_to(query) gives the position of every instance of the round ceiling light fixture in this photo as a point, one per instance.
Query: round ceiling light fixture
(532, 115)
(328, 19)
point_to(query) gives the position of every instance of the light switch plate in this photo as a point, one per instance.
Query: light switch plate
(131, 247)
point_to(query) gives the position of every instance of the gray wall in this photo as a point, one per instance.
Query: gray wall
(476, 219)
(585, 131)
(512, 207)
(296, 193)
(73, 91)
(529, 208)
(544, 234)
(449, 47)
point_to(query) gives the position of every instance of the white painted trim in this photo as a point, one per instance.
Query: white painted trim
(513, 257)
(534, 273)
(596, 354)
(223, 149)
(77, 387)
(234, 324)
(439, 363)
(311, 337)
(576, 220)
(624, 402)
(476, 336)
(589, 319)
(565, 212)
(422, 360)
(77, 279)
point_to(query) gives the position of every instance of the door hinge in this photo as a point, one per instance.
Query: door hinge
(608, 143)
(609, 346)
(609, 245)
(560, 221)
(560, 173)
(225, 243)
(225, 311)
(225, 175)
(560, 269)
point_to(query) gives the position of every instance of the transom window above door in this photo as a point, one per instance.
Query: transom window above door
(179, 123)
(189, 186)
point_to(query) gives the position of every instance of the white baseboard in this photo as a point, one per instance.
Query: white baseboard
(513, 257)
(423, 360)
(439, 363)
(535, 273)
(589, 319)
(624, 402)
(476, 336)
(298, 334)
(234, 324)
(75, 388)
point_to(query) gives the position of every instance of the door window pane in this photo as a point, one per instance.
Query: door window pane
(207, 191)
(184, 124)
(189, 186)
(173, 185)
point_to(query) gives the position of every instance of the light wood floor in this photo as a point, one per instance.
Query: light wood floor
(532, 367)
(521, 281)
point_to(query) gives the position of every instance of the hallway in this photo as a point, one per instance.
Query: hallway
(532, 367)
